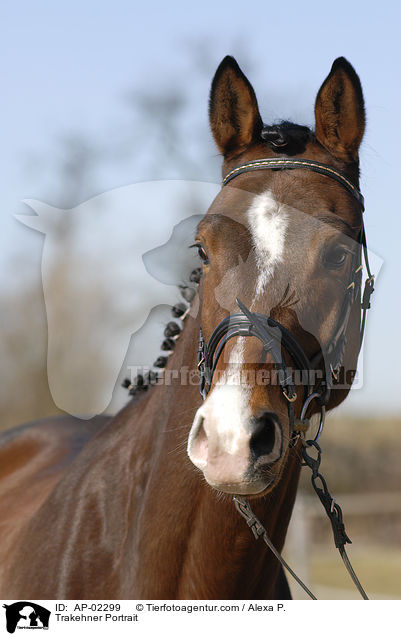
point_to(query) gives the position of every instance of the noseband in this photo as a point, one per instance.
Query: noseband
(273, 335)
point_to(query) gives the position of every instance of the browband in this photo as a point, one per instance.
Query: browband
(291, 164)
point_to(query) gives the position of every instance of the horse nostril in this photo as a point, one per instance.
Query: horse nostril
(266, 440)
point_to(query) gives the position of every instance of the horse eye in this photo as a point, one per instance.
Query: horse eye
(335, 257)
(202, 253)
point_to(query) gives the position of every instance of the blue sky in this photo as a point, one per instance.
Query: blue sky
(69, 66)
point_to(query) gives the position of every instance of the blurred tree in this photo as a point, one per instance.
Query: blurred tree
(158, 121)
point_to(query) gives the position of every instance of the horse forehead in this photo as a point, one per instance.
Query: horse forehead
(276, 227)
(273, 229)
(239, 213)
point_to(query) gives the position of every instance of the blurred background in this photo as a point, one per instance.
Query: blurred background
(100, 96)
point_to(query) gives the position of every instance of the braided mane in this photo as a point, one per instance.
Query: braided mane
(173, 329)
(287, 137)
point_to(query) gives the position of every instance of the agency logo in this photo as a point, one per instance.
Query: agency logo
(26, 615)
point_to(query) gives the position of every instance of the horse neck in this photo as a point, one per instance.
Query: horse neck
(203, 545)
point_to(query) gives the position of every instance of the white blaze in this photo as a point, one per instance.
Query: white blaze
(225, 412)
(268, 222)
(229, 403)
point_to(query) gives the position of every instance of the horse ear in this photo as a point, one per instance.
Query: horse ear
(233, 110)
(339, 112)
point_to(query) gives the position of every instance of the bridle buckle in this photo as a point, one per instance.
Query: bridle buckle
(289, 398)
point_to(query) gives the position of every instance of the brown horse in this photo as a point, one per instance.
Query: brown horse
(119, 509)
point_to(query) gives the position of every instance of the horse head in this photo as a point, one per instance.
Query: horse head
(280, 252)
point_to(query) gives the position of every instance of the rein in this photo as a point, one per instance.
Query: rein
(274, 336)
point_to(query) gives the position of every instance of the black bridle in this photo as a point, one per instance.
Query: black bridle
(273, 335)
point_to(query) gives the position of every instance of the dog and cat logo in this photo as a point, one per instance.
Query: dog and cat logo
(26, 615)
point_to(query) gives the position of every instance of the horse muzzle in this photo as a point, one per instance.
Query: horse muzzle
(238, 452)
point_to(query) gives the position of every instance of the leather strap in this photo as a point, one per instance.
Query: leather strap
(292, 164)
